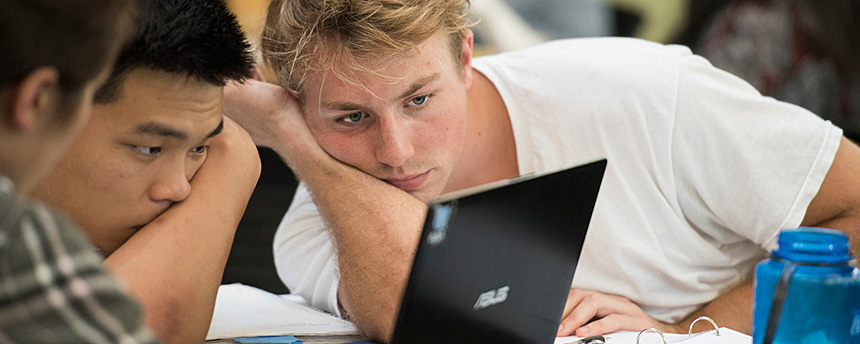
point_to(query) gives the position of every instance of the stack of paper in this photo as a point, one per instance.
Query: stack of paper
(244, 311)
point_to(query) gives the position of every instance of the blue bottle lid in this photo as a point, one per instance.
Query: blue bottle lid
(813, 245)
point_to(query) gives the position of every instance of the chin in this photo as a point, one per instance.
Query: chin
(425, 195)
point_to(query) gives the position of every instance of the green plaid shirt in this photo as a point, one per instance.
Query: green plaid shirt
(53, 288)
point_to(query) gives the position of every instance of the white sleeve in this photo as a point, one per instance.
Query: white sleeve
(743, 162)
(304, 253)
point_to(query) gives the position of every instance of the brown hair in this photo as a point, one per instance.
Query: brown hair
(78, 37)
(308, 36)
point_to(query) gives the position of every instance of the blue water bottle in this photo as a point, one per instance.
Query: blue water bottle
(808, 291)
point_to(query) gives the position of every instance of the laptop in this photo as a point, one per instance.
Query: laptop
(495, 262)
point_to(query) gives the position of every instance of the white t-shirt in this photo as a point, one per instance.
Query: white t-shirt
(702, 171)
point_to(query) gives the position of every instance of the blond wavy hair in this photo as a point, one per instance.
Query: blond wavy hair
(347, 37)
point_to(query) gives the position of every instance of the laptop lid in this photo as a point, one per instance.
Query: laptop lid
(495, 262)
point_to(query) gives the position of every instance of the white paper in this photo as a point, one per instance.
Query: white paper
(727, 336)
(246, 311)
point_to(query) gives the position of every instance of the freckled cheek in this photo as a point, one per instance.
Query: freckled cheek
(349, 150)
(449, 129)
(330, 142)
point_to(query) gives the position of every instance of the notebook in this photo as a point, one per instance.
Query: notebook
(495, 262)
(246, 311)
(717, 335)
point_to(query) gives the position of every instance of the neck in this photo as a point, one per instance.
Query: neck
(490, 151)
(10, 161)
(23, 158)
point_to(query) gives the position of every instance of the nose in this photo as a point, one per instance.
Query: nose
(172, 185)
(394, 146)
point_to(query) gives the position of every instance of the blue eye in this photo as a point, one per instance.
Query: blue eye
(354, 117)
(145, 150)
(420, 100)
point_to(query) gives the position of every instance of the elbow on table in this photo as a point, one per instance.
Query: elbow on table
(376, 330)
(171, 320)
(372, 322)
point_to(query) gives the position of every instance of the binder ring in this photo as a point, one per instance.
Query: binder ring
(650, 329)
(716, 328)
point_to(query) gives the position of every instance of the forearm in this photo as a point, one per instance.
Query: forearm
(174, 264)
(732, 309)
(376, 228)
(837, 206)
(375, 225)
(176, 287)
(848, 222)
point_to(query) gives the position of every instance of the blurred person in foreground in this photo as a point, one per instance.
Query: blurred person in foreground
(54, 288)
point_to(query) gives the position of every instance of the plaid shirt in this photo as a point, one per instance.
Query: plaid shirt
(53, 288)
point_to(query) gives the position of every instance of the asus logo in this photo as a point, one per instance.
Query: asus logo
(492, 297)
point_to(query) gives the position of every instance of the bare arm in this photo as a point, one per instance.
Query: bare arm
(732, 309)
(375, 225)
(837, 206)
(376, 229)
(174, 264)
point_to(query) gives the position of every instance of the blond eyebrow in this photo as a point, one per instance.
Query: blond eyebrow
(417, 85)
(341, 106)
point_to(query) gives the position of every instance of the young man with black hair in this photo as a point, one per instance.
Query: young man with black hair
(53, 287)
(159, 179)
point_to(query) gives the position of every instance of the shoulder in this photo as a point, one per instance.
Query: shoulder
(607, 54)
(38, 227)
(614, 69)
(36, 242)
(49, 268)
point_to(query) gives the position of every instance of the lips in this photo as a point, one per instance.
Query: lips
(409, 183)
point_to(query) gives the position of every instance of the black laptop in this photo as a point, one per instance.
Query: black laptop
(495, 262)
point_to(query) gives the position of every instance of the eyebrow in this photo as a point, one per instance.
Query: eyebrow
(217, 129)
(417, 85)
(158, 129)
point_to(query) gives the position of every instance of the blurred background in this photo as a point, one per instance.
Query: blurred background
(805, 52)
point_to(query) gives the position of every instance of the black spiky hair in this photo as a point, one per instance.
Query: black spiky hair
(197, 38)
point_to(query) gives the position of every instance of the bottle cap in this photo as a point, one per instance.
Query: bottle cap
(813, 245)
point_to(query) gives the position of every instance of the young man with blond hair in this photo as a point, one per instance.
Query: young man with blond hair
(384, 109)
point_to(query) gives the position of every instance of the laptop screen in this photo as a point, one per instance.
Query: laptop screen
(495, 262)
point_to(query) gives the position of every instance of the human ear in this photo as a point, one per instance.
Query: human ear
(466, 56)
(35, 96)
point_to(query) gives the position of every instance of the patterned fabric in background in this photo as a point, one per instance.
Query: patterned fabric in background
(778, 46)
